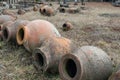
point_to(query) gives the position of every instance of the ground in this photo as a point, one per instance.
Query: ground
(97, 25)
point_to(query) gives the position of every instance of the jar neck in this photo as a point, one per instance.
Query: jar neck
(22, 34)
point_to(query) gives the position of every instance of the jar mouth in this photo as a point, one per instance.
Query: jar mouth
(21, 35)
(0, 27)
(70, 67)
(40, 60)
(6, 34)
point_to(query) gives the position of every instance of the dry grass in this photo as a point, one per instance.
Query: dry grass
(89, 29)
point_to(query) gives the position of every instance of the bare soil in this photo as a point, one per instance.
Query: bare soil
(97, 25)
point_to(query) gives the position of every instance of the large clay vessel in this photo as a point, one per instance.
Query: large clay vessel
(21, 12)
(47, 10)
(9, 32)
(3, 26)
(5, 18)
(8, 12)
(46, 58)
(86, 63)
(116, 74)
(35, 8)
(0, 35)
(33, 34)
(67, 26)
(6, 24)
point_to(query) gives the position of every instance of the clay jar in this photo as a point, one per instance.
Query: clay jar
(46, 58)
(67, 26)
(64, 5)
(73, 10)
(8, 12)
(116, 74)
(0, 35)
(21, 12)
(9, 32)
(5, 18)
(34, 33)
(4, 25)
(62, 9)
(35, 8)
(47, 10)
(86, 63)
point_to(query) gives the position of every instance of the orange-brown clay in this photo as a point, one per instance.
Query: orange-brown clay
(62, 9)
(73, 10)
(116, 74)
(67, 26)
(21, 12)
(41, 9)
(35, 8)
(0, 27)
(9, 32)
(6, 24)
(8, 12)
(46, 58)
(64, 5)
(86, 63)
(47, 10)
(76, 3)
(5, 18)
(0, 35)
(33, 34)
